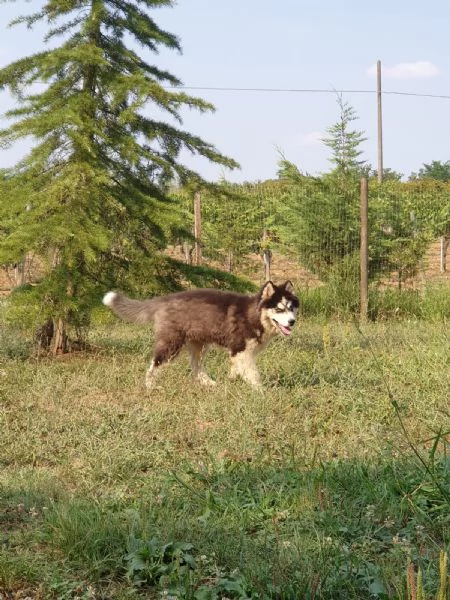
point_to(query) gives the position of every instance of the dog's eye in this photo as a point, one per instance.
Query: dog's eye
(279, 310)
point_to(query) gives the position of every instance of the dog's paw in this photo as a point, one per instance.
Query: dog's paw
(258, 388)
(153, 387)
(206, 380)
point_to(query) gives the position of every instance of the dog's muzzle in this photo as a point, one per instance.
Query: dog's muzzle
(285, 329)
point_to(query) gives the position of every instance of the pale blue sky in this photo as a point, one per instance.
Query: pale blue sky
(289, 44)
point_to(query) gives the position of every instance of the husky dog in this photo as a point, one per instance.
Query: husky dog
(197, 318)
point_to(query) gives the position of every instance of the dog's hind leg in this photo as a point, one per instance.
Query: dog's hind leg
(150, 375)
(165, 350)
(197, 353)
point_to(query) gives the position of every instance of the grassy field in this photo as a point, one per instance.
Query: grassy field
(333, 484)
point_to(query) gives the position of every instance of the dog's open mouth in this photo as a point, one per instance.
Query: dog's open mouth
(283, 328)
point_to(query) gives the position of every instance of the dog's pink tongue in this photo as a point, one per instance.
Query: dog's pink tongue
(285, 330)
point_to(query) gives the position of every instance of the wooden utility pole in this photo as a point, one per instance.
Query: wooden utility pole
(364, 251)
(380, 124)
(197, 229)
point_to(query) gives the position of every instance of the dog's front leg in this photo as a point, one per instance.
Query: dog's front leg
(243, 364)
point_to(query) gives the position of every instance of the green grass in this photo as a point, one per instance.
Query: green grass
(333, 484)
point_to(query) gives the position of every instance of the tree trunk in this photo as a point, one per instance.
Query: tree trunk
(60, 339)
(44, 335)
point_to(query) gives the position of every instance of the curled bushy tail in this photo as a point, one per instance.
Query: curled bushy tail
(135, 311)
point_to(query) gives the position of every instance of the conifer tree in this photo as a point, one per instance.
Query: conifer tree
(321, 219)
(90, 199)
(345, 142)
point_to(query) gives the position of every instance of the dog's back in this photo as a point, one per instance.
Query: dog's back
(201, 315)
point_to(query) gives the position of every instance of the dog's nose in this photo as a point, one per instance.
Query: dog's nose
(291, 322)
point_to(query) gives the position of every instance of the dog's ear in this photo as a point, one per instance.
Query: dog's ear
(267, 291)
(288, 286)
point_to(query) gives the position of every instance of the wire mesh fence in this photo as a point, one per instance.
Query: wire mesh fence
(309, 230)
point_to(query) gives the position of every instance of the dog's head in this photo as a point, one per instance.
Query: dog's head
(279, 306)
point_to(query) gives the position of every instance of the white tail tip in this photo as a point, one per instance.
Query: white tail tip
(108, 299)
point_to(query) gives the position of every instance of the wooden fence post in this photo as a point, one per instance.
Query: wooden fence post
(364, 251)
(443, 257)
(266, 255)
(197, 229)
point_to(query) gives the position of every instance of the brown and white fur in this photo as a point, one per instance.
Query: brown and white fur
(198, 318)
